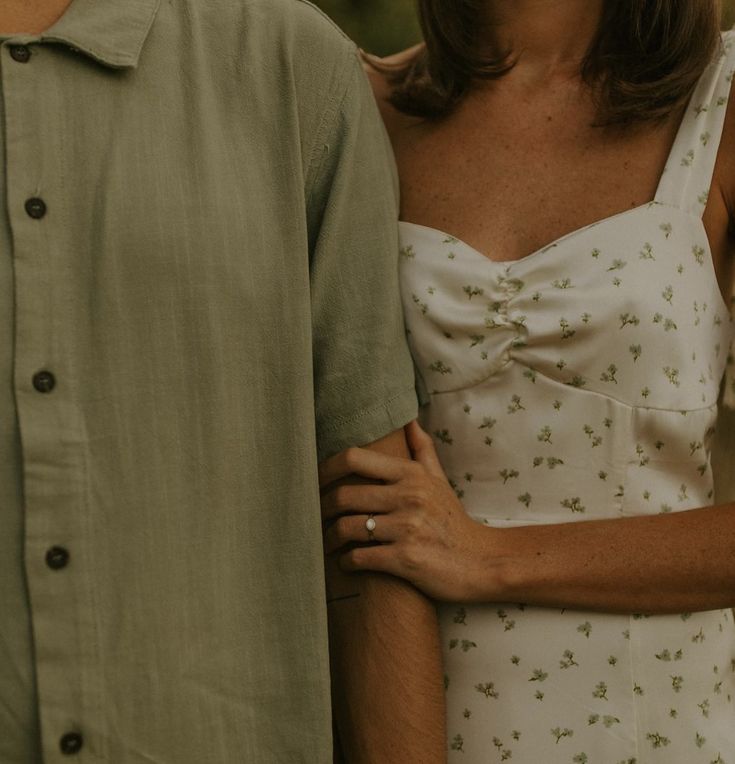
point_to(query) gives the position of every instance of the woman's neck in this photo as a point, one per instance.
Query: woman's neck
(30, 16)
(547, 37)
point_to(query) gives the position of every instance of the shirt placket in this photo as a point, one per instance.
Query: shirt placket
(53, 443)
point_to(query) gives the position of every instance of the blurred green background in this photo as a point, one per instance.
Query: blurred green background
(386, 26)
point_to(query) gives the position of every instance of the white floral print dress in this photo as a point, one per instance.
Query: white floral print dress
(579, 383)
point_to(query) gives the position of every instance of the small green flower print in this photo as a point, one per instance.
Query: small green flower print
(512, 286)
(473, 291)
(508, 623)
(688, 158)
(507, 474)
(487, 423)
(505, 753)
(487, 689)
(666, 228)
(466, 645)
(609, 375)
(617, 265)
(667, 323)
(704, 138)
(460, 616)
(407, 252)
(567, 660)
(444, 437)
(539, 675)
(647, 252)
(698, 253)
(476, 339)
(574, 504)
(423, 307)
(440, 367)
(600, 691)
(595, 253)
(657, 740)
(530, 374)
(559, 733)
(525, 499)
(580, 758)
(677, 682)
(699, 740)
(544, 435)
(457, 743)
(668, 294)
(515, 404)
(467, 713)
(628, 319)
(566, 331)
(585, 628)
(562, 283)
(672, 375)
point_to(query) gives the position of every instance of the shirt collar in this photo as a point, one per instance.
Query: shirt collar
(110, 31)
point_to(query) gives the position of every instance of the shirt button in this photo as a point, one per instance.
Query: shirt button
(20, 53)
(35, 207)
(71, 743)
(44, 381)
(57, 558)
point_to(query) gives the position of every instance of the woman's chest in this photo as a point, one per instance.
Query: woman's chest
(507, 186)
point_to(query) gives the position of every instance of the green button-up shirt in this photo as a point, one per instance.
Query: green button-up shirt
(211, 289)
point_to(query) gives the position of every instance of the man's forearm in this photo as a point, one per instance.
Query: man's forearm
(387, 676)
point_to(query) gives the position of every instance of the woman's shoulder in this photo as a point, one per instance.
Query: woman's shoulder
(381, 72)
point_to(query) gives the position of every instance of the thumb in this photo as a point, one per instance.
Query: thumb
(423, 450)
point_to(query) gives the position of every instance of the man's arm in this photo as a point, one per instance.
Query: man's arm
(387, 678)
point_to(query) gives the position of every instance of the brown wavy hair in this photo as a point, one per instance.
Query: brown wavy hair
(643, 62)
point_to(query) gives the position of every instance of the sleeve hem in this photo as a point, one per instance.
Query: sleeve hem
(368, 425)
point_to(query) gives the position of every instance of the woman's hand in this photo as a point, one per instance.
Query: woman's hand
(421, 531)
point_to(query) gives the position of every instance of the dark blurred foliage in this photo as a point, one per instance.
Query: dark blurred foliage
(378, 26)
(386, 26)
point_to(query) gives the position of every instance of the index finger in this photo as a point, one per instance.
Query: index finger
(365, 464)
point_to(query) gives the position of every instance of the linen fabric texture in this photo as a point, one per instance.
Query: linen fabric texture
(213, 286)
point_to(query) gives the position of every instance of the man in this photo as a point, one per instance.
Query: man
(197, 303)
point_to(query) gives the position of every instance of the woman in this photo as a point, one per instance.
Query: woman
(565, 265)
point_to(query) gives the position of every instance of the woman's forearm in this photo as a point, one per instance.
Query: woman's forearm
(666, 563)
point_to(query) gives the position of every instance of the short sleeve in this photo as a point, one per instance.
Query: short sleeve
(363, 373)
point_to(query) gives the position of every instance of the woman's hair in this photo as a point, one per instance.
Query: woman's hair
(643, 62)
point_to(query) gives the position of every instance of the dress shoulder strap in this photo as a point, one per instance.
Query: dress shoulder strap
(686, 181)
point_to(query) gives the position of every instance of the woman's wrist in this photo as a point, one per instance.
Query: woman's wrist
(495, 574)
